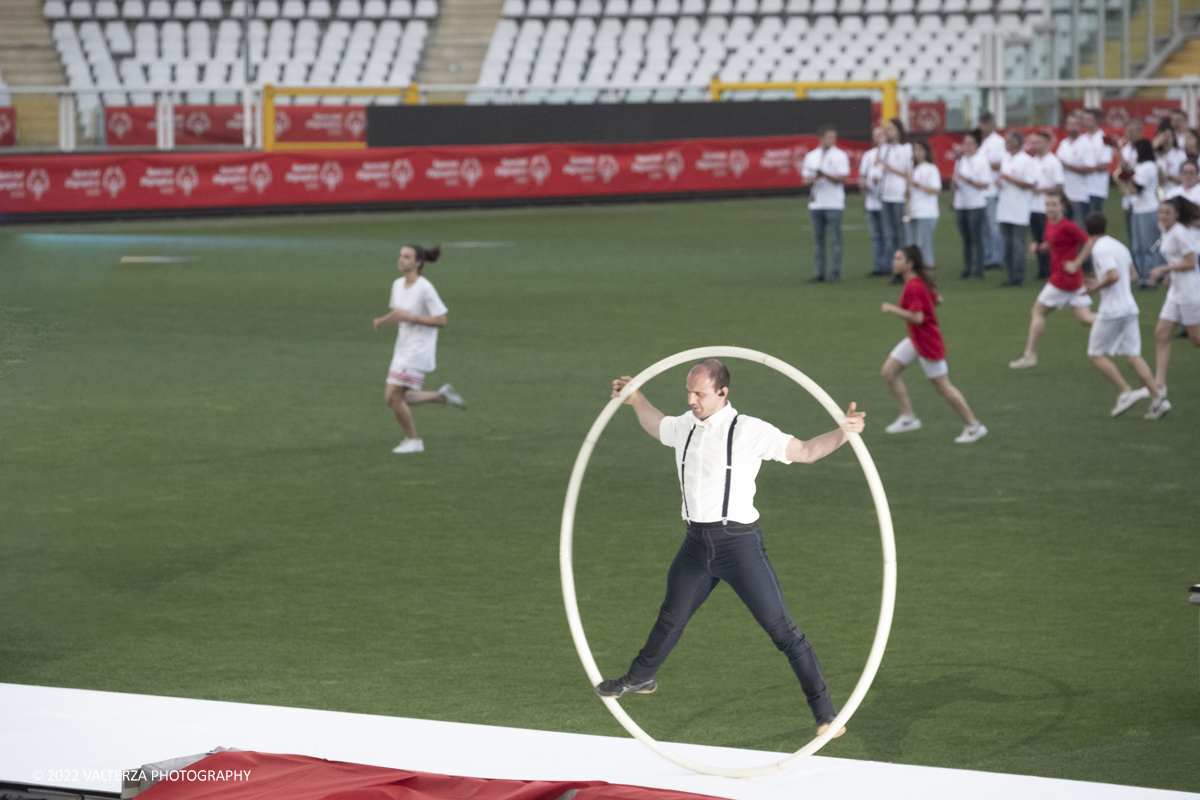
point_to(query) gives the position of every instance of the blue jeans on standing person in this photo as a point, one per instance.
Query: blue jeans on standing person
(1016, 242)
(993, 243)
(881, 258)
(1079, 211)
(733, 553)
(970, 227)
(1143, 233)
(920, 233)
(893, 229)
(828, 220)
(1037, 226)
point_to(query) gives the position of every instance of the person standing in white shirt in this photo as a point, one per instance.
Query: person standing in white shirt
(1189, 183)
(418, 312)
(825, 170)
(1049, 178)
(925, 184)
(972, 174)
(1143, 211)
(1126, 161)
(1017, 179)
(1115, 331)
(718, 454)
(1098, 181)
(1179, 248)
(870, 178)
(1079, 161)
(896, 162)
(992, 147)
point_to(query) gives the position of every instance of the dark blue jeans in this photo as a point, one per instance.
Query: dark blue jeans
(894, 235)
(828, 220)
(1037, 226)
(882, 257)
(712, 553)
(970, 227)
(1016, 246)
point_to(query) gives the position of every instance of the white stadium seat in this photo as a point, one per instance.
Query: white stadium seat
(320, 9)
(400, 9)
(426, 9)
(107, 9)
(349, 9)
(374, 9)
(185, 9)
(292, 9)
(158, 9)
(563, 8)
(80, 9)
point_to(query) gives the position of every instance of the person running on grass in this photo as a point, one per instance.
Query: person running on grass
(924, 341)
(1179, 246)
(419, 312)
(1115, 331)
(717, 457)
(1062, 239)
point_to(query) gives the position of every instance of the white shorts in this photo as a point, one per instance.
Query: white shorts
(1054, 297)
(399, 374)
(905, 352)
(1115, 337)
(1183, 310)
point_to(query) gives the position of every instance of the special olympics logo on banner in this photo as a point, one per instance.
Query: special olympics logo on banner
(608, 167)
(331, 174)
(113, 181)
(739, 162)
(356, 123)
(120, 124)
(471, 171)
(187, 178)
(38, 182)
(673, 164)
(539, 168)
(282, 121)
(402, 172)
(929, 120)
(198, 123)
(6, 123)
(260, 176)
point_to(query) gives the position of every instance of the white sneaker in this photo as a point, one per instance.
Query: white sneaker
(1162, 393)
(1127, 400)
(1159, 407)
(453, 398)
(971, 433)
(1023, 362)
(903, 424)
(410, 446)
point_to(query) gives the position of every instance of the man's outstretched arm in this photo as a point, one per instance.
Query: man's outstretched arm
(817, 448)
(647, 415)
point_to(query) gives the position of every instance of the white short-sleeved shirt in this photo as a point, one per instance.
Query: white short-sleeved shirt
(826, 194)
(1186, 285)
(416, 345)
(1173, 161)
(1077, 152)
(1098, 181)
(900, 157)
(1145, 178)
(1015, 203)
(922, 204)
(1116, 300)
(993, 150)
(1177, 190)
(1172, 246)
(976, 168)
(870, 176)
(1049, 173)
(702, 473)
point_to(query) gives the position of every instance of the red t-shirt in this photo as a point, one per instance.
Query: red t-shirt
(1064, 237)
(925, 337)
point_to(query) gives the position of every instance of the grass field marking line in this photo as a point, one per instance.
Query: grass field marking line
(156, 259)
(886, 533)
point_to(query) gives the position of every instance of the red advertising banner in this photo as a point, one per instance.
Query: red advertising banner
(924, 116)
(136, 126)
(52, 183)
(1118, 112)
(320, 123)
(8, 126)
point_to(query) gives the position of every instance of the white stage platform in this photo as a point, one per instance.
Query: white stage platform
(85, 738)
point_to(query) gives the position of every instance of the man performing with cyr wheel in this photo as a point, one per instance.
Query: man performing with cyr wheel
(718, 453)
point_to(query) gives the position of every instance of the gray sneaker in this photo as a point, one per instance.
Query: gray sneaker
(623, 684)
(1158, 408)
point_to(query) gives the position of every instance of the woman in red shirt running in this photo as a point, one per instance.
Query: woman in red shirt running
(924, 341)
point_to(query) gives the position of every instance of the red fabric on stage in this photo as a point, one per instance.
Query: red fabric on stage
(269, 776)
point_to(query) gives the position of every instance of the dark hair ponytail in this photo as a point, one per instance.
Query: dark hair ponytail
(1188, 211)
(425, 254)
(913, 254)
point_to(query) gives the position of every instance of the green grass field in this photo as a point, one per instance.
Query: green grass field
(198, 497)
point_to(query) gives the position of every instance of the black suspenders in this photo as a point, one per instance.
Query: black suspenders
(728, 472)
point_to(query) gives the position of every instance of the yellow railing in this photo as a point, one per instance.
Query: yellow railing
(890, 107)
(410, 94)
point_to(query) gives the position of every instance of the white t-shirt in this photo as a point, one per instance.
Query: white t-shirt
(1186, 285)
(1015, 203)
(870, 174)
(1116, 300)
(1172, 246)
(993, 149)
(1176, 189)
(976, 168)
(702, 475)
(1077, 152)
(826, 193)
(1098, 181)
(1129, 156)
(416, 345)
(1049, 173)
(897, 156)
(922, 204)
(1174, 160)
(1145, 177)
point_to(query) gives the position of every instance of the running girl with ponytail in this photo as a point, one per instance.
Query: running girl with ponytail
(924, 341)
(419, 312)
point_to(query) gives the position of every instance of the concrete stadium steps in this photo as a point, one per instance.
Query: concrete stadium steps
(460, 42)
(28, 58)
